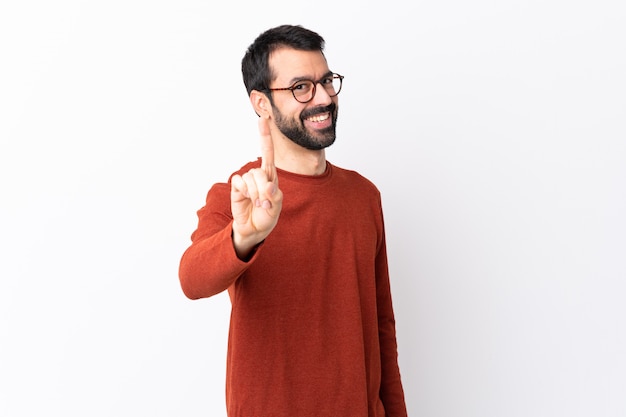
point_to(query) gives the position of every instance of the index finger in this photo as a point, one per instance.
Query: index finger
(267, 149)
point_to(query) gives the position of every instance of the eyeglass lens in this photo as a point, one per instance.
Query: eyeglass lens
(305, 90)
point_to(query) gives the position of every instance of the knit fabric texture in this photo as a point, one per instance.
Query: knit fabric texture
(312, 329)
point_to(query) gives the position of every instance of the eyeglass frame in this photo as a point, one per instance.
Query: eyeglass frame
(315, 83)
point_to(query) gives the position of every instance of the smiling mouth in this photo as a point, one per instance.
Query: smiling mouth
(318, 118)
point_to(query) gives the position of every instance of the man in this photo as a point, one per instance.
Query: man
(312, 330)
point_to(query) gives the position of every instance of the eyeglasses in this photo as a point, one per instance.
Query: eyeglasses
(304, 90)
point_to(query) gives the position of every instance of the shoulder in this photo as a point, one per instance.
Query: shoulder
(354, 178)
(245, 168)
(220, 191)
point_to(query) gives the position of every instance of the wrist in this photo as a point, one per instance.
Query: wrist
(245, 246)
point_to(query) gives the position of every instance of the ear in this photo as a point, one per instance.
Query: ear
(261, 103)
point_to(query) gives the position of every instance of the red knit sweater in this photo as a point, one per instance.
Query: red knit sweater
(312, 331)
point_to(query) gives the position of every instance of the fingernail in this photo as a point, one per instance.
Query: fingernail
(267, 204)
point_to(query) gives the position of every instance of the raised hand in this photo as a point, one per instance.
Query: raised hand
(255, 198)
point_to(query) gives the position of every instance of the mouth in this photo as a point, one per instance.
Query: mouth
(319, 122)
(318, 118)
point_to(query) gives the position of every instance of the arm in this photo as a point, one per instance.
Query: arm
(210, 265)
(232, 224)
(391, 391)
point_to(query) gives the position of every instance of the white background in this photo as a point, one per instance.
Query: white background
(494, 130)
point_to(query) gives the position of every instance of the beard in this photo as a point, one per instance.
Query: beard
(295, 130)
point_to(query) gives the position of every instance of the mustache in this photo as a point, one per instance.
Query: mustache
(318, 110)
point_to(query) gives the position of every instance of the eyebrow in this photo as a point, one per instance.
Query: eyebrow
(297, 79)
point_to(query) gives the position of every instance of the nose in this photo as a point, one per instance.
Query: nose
(321, 96)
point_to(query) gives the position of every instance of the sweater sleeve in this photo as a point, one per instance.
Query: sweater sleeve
(210, 264)
(391, 391)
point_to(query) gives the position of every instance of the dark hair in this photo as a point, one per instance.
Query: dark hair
(255, 67)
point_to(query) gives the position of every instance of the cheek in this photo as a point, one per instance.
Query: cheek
(288, 111)
(296, 115)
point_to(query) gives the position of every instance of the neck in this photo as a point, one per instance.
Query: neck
(306, 162)
(291, 157)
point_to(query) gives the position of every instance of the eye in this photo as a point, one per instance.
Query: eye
(302, 86)
(328, 80)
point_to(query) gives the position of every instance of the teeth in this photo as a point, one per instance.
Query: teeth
(319, 118)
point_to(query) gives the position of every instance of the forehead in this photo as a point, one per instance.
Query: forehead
(288, 64)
